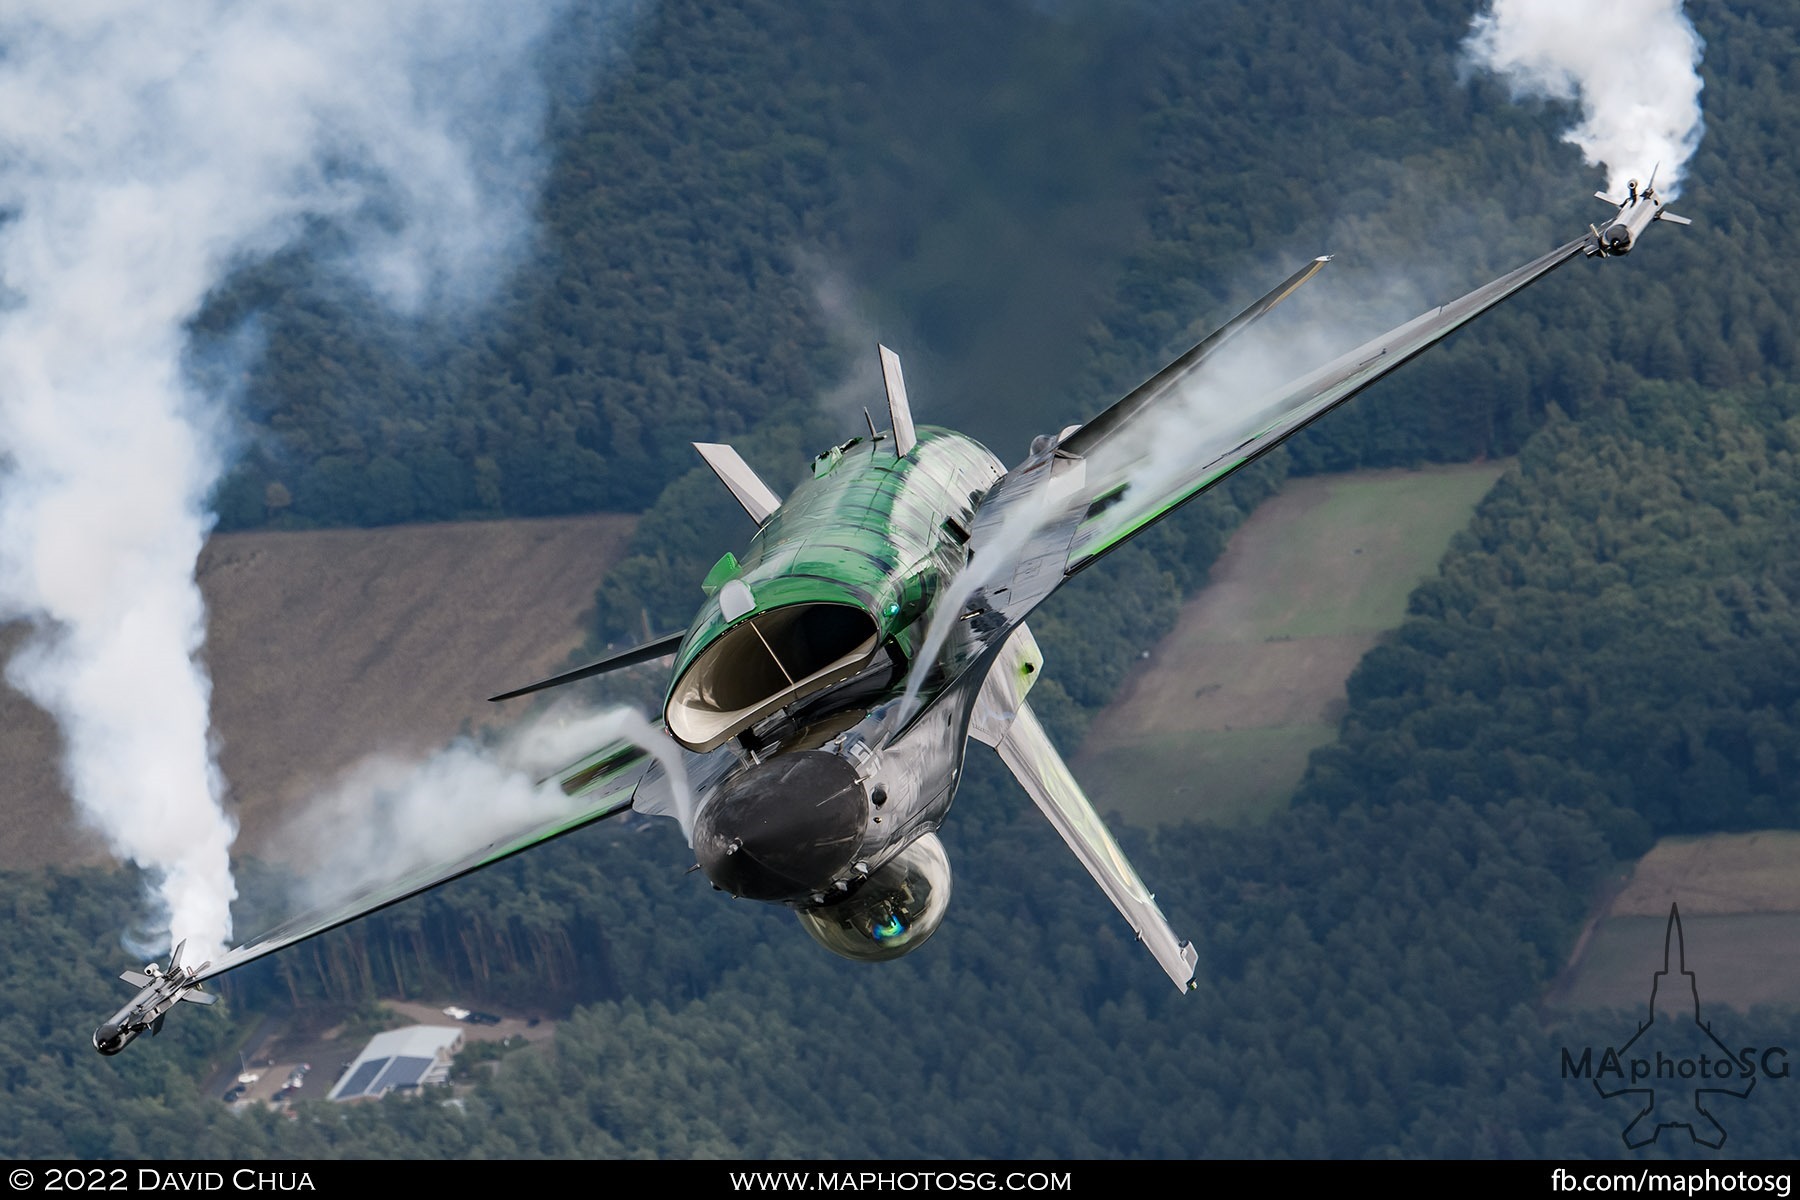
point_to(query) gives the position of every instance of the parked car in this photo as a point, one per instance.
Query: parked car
(482, 1018)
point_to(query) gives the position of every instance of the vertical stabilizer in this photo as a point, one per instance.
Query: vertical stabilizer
(758, 499)
(899, 412)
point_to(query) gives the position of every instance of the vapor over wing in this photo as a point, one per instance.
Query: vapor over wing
(1146, 395)
(598, 786)
(1069, 503)
(1130, 483)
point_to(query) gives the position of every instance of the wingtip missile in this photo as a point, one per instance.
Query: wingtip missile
(159, 989)
(1636, 211)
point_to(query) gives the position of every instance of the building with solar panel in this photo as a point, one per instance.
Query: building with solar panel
(400, 1058)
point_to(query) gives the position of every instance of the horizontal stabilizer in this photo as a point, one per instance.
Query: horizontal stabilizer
(642, 653)
(196, 996)
(1029, 755)
(1083, 440)
(135, 978)
(757, 497)
(1666, 215)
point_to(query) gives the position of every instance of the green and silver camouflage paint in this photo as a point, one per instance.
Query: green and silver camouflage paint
(865, 529)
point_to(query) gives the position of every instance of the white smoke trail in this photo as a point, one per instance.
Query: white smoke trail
(389, 817)
(1000, 551)
(1633, 68)
(146, 150)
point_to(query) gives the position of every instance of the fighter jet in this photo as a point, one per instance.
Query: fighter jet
(160, 991)
(822, 699)
(1636, 211)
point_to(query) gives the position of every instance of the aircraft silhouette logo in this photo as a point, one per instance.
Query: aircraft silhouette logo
(1679, 1051)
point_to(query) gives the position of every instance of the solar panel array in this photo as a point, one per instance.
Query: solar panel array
(399, 1058)
(360, 1079)
(401, 1072)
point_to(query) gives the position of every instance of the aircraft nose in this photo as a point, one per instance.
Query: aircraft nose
(782, 829)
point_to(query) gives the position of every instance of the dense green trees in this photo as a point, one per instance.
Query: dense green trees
(1617, 631)
(1608, 653)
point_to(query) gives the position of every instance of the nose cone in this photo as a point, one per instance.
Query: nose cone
(782, 829)
(107, 1039)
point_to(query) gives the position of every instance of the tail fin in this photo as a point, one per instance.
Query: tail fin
(899, 411)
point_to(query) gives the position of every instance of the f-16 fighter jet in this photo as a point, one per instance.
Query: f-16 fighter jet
(823, 697)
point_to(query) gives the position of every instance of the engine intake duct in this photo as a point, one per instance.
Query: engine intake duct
(765, 663)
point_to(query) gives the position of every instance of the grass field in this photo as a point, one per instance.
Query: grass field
(328, 646)
(1217, 723)
(1739, 895)
(1738, 961)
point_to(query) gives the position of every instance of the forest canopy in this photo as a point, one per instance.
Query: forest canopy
(1607, 655)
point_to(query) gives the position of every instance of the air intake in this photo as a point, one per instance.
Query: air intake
(767, 663)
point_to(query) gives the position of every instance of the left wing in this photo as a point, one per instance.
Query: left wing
(598, 786)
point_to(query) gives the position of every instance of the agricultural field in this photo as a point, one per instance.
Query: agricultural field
(1739, 897)
(1218, 721)
(331, 645)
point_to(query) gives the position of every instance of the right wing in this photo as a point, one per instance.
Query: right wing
(1089, 437)
(1133, 481)
(597, 786)
(1071, 501)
